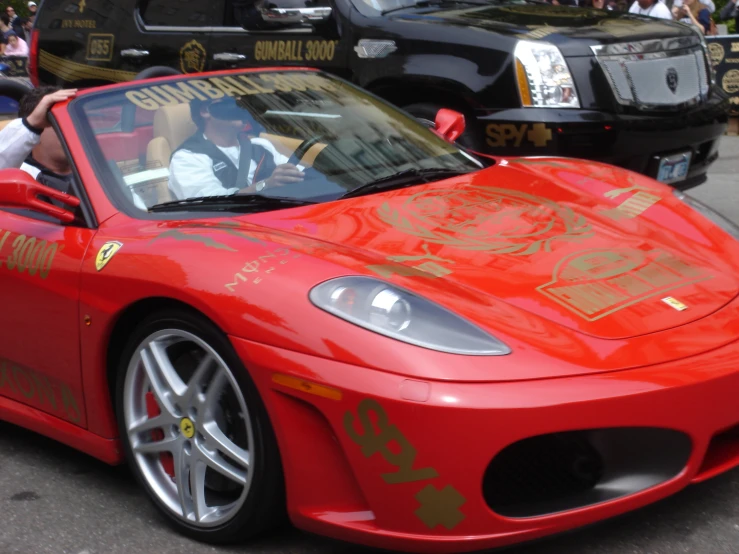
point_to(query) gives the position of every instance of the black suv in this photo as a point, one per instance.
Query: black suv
(530, 78)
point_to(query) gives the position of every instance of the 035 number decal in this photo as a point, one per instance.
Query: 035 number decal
(29, 254)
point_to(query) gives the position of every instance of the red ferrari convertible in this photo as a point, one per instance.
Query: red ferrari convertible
(271, 292)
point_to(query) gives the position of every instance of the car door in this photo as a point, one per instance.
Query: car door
(314, 44)
(171, 33)
(39, 292)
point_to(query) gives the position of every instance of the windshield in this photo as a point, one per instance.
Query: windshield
(288, 134)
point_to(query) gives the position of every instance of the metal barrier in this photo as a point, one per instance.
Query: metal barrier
(724, 53)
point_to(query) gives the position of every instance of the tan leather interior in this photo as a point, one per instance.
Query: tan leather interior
(173, 125)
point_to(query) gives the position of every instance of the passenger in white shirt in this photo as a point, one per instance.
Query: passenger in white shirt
(207, 164)
(651, 8)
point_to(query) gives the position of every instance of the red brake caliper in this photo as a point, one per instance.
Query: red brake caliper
(152, 410)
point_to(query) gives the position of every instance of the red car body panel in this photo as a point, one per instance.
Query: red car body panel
(565, 261)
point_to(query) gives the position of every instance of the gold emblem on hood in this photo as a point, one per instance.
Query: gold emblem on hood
(595, 283)
(494, 220)
(634, 205)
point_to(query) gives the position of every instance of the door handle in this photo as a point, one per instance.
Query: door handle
(228, 57)
(134, 53)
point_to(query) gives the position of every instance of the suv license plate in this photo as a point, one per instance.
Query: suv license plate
(674, 168)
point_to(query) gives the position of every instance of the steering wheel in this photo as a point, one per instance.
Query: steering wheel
(303, 148)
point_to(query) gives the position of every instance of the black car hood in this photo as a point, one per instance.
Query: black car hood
(573, 30)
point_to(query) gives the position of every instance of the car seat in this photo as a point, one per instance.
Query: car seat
(172, 126)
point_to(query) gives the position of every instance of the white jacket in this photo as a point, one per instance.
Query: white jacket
(16, 142)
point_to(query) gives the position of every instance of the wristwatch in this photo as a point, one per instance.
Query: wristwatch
(260, 185)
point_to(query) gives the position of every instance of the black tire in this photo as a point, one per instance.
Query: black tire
(157, 71)
(14, 90)
(426, 112)
(264, 506)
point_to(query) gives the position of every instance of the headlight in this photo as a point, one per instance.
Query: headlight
(726, 224)
(404, 316)
(544, 80)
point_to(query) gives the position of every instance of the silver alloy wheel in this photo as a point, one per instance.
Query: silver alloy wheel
(203, 423)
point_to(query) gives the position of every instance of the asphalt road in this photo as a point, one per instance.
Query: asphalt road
(54, 500)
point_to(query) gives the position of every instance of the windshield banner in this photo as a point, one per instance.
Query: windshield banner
(213, 88)
(724, 52)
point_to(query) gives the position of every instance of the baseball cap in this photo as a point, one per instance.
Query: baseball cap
(31, 4)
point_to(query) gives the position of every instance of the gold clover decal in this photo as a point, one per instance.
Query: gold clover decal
(495, 220)
(440, 507)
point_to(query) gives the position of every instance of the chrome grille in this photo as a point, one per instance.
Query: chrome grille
(656, 74)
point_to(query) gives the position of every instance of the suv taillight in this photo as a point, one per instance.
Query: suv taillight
(33, 59)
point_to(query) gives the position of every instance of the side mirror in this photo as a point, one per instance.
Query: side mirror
(291, 16)
(19, 190)
(449, 124)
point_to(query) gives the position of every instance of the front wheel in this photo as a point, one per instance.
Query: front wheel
(196, 432)
(425, 112)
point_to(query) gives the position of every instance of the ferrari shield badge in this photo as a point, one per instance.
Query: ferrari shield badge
(674, 303)
(106, 252)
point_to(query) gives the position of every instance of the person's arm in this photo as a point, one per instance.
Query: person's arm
(22, 48)
(278, 157)
(17, 140)
(191, 176)
(704, 20)
(695, 20)
(284, 172)
(727, 10)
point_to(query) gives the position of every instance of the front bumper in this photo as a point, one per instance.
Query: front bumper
(635, 142)
(400, 464)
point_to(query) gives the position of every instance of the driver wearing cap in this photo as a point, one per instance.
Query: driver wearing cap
(218, 161)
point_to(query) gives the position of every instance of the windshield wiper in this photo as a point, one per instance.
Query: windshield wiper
(230, 202)
(406, 178)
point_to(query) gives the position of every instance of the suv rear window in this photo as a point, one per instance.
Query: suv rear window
(175, 13)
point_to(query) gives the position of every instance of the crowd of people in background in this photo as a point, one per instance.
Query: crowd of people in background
(15, 30)
(698, 13)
